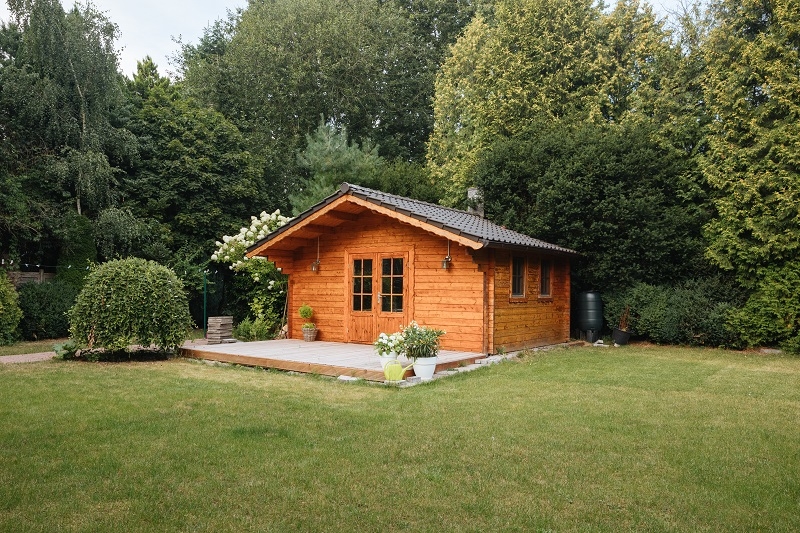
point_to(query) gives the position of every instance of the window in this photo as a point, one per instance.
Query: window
(544, 278)
(518, 277)
(362, 285)
(392, 285)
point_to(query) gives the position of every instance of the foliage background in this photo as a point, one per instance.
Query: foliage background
(664, 150)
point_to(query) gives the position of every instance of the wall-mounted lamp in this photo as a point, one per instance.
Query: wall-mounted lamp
(447, 259)
(315, 264)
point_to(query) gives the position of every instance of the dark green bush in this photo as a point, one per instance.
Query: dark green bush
(44, 307)
(77, 252)
(772, 313)
(10, 313)
(695, 312)
(131, 301)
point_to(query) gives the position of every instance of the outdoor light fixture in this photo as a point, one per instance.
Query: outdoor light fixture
(447, 258)
(315, 264)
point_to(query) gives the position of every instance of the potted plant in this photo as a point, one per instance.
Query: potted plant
(621, 334)
(389, 347)
(422, 347)
(309, 328)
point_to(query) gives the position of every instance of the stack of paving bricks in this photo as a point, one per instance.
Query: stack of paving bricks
(220, 329)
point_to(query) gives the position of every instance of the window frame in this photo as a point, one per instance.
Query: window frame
(518, 277)
(546, 276)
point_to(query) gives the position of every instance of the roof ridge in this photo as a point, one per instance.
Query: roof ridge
(423, 202)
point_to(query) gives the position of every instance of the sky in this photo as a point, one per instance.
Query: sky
(148, 27)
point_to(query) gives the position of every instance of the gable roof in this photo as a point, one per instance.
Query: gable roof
(472, 230)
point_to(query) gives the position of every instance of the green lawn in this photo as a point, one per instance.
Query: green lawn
(26, 347)
(636, 438)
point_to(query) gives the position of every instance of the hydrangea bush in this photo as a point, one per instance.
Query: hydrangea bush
(268, 284)
(390, 344)
(232, 248)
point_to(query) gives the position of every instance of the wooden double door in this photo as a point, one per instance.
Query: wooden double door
(378, 294)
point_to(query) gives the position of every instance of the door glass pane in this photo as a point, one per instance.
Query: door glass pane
(392, 285)
(362, 285)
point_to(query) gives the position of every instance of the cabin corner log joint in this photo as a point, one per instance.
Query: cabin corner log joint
(369, 262)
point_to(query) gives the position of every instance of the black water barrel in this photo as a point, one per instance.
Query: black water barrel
(590, 313)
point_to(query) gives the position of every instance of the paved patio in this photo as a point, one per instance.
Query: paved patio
(325, 358)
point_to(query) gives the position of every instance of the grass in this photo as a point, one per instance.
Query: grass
(636, 438)
(26, 347)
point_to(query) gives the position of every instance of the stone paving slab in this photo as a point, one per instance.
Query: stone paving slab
(27, 358)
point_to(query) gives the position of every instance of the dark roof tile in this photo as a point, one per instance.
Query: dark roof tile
(456, 221)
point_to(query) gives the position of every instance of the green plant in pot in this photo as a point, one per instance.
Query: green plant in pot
(309, 328)
(422, 347)
(621, 334)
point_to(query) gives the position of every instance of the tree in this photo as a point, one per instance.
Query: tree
(329, 159)
(64, 137)
(357, 63)
(74, 53)
(533, 59)
(194, 174)
(753, 161)
(604, 190)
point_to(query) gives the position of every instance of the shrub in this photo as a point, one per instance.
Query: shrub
(44, 307)
(259, 329)
(10, 312)
(695, 312)
(131, 301)
(772, 313)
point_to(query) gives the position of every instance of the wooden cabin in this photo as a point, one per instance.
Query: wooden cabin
(369, 262)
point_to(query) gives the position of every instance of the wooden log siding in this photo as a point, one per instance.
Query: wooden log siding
(450, 299)
(531, 321)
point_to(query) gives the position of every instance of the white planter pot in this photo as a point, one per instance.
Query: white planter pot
(425, 367)
(386, 358)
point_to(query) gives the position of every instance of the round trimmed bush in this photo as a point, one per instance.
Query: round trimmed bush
(10, 313)
(131, 301)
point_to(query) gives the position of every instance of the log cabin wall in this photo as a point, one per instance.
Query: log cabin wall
(451, 299)
(532, 320)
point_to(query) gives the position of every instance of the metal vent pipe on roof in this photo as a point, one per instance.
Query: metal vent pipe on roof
(475, 201)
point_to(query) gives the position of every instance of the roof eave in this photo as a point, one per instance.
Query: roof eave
(527, 248)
